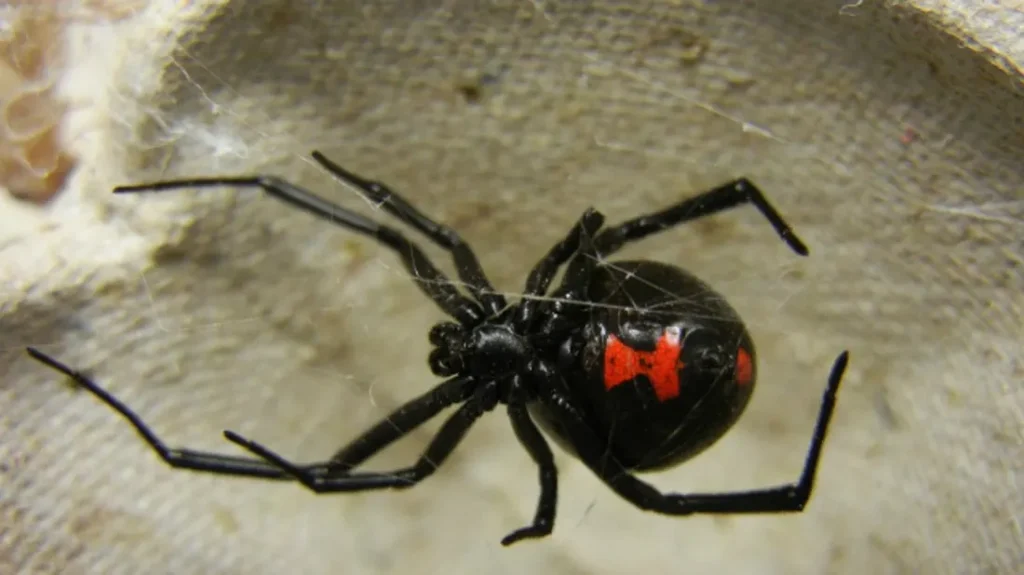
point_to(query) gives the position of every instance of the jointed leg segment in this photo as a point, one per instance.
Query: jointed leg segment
(539, 280)
(724, 197)
(400, 423)
(179, 458)
(431, 280)
(787, 498)
(443, 444)
(466, 263)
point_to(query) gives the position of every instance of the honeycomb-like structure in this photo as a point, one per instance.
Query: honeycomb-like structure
(34, 163)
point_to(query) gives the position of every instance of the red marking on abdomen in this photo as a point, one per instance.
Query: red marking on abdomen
(661, 366)
(744, 367)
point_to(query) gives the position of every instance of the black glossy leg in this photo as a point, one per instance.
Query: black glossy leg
(784, 498)
(466, 262)
(580, 269)
(535, 444)
(569, 300)
(540, 277)
(728, 196)
(434, 283)
(446, 440)
(178, 458)
(400, 423)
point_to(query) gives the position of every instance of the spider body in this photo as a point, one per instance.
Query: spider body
(664, 366)
(629, 365)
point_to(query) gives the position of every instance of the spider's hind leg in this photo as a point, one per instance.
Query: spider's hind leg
(784, 498)
(722, 198)
(544, 271)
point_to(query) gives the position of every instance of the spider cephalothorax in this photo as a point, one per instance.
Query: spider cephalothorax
(629, 365)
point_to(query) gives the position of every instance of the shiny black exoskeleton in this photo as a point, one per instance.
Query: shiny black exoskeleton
(671, 331)
(630, 365)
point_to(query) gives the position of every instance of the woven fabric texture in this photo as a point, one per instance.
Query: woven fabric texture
(892, 149)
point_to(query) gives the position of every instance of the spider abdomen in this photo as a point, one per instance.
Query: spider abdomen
(662, 368)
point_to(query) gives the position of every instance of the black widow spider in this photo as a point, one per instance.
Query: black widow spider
(629, 365)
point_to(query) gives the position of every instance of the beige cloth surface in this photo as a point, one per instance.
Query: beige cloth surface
(894, 152)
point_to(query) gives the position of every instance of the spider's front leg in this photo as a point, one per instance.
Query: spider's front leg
(338, 480)
(399, 423)
(175, 457)
(466, 263)
(428, 278)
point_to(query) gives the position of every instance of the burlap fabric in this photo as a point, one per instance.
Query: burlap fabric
(891, 147)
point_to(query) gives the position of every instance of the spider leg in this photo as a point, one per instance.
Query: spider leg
(578, 272)
(571, 295)
(531, 439)
(177, 458)
(443, 444)
(400, 423)
(434, 283)
(785, 498)
(540, 277)
(724, 197)
(466, 263)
